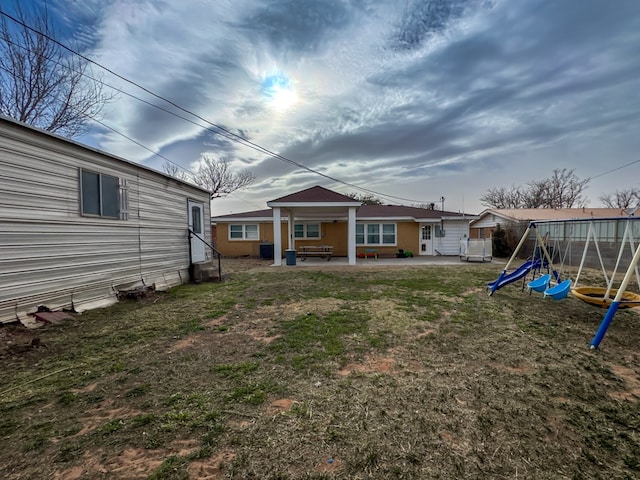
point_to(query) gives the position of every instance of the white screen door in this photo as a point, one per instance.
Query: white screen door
(426, 240)
(196, 224)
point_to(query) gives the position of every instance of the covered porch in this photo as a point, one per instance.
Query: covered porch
(308, 210)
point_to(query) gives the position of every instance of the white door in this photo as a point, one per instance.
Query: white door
(196, 224)
(426, 239)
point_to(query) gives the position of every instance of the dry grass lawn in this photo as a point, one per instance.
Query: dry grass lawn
(325, 373)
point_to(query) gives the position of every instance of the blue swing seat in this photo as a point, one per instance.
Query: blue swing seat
(559, 291)
(540, 284)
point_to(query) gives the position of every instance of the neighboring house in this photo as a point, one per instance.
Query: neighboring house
(487, 222)
(565, 229)
(77, 224)
(318, 216)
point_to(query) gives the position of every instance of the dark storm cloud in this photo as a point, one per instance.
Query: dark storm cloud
(421, 20)
(298, 25)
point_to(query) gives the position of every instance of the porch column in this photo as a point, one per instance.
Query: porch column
(277, 237)
(351, 236)
(290, 229)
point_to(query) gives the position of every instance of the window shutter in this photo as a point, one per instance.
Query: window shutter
(124, 199)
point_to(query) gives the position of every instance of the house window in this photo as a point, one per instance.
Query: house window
(375, 234)
(306, 230)
(102, 195)
(243, 231)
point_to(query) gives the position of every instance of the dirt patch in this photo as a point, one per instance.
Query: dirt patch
(280, 405)
(371, 364)
(101, 415)
(87, 389)
(213, 468)
(329, 464)
(515, 369)
(184, 343)
(132, 463)
(426, 332)
(631, 383)
(16, 339)
(259, 330)
(472, 291)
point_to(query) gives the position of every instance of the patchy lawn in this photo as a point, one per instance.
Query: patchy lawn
(322, 373)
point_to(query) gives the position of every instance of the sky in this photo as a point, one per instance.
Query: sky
(415, 100)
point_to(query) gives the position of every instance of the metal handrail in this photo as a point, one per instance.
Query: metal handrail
(213, 249)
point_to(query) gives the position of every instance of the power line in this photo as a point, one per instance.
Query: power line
(93, 119)
(615, 169)
(229, 134)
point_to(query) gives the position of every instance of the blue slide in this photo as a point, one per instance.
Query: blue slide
(507, 278)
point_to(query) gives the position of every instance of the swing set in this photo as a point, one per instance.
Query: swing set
(551, 284)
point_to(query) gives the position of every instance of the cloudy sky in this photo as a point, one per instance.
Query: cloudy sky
(413, 99)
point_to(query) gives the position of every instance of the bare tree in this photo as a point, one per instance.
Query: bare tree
(622, 198)
(41, 83)
(177, 172)
(501, 197)
(365, 198)
(562, 190)
(215, 175)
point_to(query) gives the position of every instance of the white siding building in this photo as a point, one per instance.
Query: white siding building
(76, 224)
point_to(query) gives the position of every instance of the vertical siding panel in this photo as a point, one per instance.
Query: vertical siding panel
(50, 255)
(454, 232)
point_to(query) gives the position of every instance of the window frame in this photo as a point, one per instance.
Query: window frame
(378, 231)
(243, 231)
(117, 191)
(305, 231)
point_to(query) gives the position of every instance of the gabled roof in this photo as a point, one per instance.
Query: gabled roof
(541, 214)
(315, 194)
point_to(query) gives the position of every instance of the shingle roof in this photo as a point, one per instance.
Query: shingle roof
(267, 214)
(529, 214)
(315, 194)
(364, 211)
(383, 211)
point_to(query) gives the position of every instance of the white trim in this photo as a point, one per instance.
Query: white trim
(312, 204)
(380, 234)
(351, 236)
(244, 232)
(240, 219)
(277, 237)
(305, 232)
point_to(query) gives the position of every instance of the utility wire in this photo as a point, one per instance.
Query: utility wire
(93, 119)
(231, 135)
(615, 169)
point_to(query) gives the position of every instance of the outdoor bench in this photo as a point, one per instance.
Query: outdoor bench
(322, 251)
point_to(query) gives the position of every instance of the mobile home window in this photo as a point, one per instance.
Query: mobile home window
(101, 195)
(375, 234)
(306, 230)
(243, 232)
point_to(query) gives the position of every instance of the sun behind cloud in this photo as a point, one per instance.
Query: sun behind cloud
(279, 91)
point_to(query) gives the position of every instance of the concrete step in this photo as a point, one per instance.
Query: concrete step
(205, 272)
